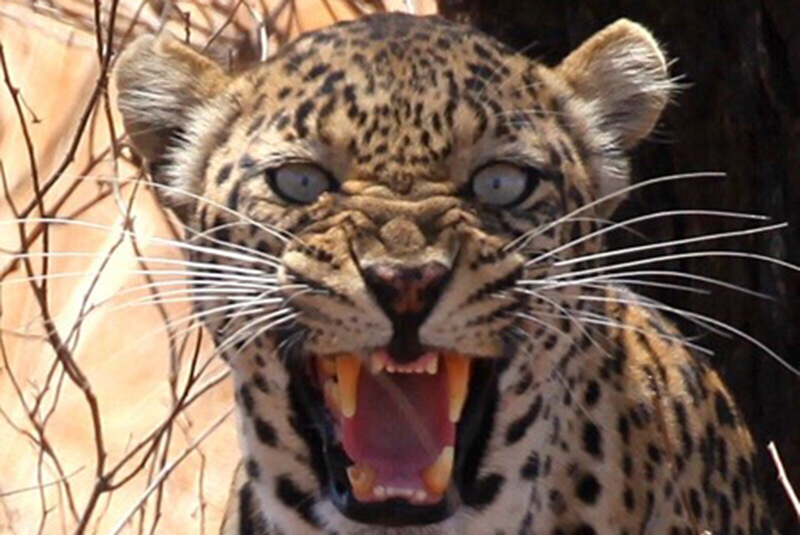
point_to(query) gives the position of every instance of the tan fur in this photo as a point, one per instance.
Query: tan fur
(401, 154)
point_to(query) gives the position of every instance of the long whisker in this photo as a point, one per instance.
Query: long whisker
(247, 328)
(152, 272)
(278, 233)
(725, 327)
(179, 244)
(584, 315)
(670, 243)
(148, 259)
(547, 284)
(532, 234)
(679, 256)
(641, 219)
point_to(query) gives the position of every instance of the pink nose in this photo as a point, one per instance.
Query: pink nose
(407, 295)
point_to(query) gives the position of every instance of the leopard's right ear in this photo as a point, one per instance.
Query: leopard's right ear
(161, 81)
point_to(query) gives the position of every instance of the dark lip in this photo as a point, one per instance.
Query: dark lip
(329, 462)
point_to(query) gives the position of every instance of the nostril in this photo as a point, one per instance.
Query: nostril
(404, 290)
(407, 295)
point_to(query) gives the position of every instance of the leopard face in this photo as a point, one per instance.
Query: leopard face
(378, 213)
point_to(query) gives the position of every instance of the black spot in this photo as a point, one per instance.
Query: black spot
(316, 71)
(654, 453)
(485, 491)
(265, 432)
(256, 124)
(588, 489)
(253, 471)
(627, 465)
(260, 383)
(246, 399)
(585, 529)
(592, 440)
(530, 470)
(724, 412)
(300, 116)
(624, 429)
(592, 394)
(250, 520)
(518, 428)
(725, 515)
(330, 82)
(629, 499)
(284, 92)
(695, 504)
(291, 496)
(224, 174)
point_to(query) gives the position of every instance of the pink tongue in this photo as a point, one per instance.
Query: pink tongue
(400, 426)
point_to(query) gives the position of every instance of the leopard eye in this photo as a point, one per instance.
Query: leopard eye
(502, 185)
(300, 183)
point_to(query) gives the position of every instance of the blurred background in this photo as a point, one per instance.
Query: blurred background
(114, 415)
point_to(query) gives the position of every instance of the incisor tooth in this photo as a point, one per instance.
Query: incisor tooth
(377, 364)
(362, 478)
(347, 369)
(432, 367)
(437, 476)
(458, 370)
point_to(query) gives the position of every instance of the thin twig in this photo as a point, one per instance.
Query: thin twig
(783, 478)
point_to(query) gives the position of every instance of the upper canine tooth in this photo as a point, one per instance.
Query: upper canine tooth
(437, 475)
(458, 371)
(347, 369)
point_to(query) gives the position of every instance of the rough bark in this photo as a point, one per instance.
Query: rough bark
(739, 112)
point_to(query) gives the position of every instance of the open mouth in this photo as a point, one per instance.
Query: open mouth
(397, 434)
(396, 423)
(397, 444)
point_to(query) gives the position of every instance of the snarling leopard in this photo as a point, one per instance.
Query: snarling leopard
(394, 227)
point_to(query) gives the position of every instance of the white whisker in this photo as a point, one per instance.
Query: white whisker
(641, 219)
(671, 243)
(611, 196)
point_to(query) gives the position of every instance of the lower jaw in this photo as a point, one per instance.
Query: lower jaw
(329, 461)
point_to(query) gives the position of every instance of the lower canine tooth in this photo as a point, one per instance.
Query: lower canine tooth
(347, 369)
(362, 479)
(458, 371)
(437, 476)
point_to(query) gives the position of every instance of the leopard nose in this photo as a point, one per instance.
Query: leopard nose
(407, 295)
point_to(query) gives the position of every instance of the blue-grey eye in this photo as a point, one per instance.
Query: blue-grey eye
(300, 183)
(502, 185)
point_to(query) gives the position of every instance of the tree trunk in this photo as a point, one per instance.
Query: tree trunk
(739, 63)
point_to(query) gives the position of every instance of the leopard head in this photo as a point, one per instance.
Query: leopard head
(370, 208)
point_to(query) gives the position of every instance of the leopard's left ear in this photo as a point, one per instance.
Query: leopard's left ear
(622, 72)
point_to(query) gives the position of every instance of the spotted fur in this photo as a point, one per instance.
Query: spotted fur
(613, 426)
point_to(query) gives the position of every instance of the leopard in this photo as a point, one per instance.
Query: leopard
(394, 226)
